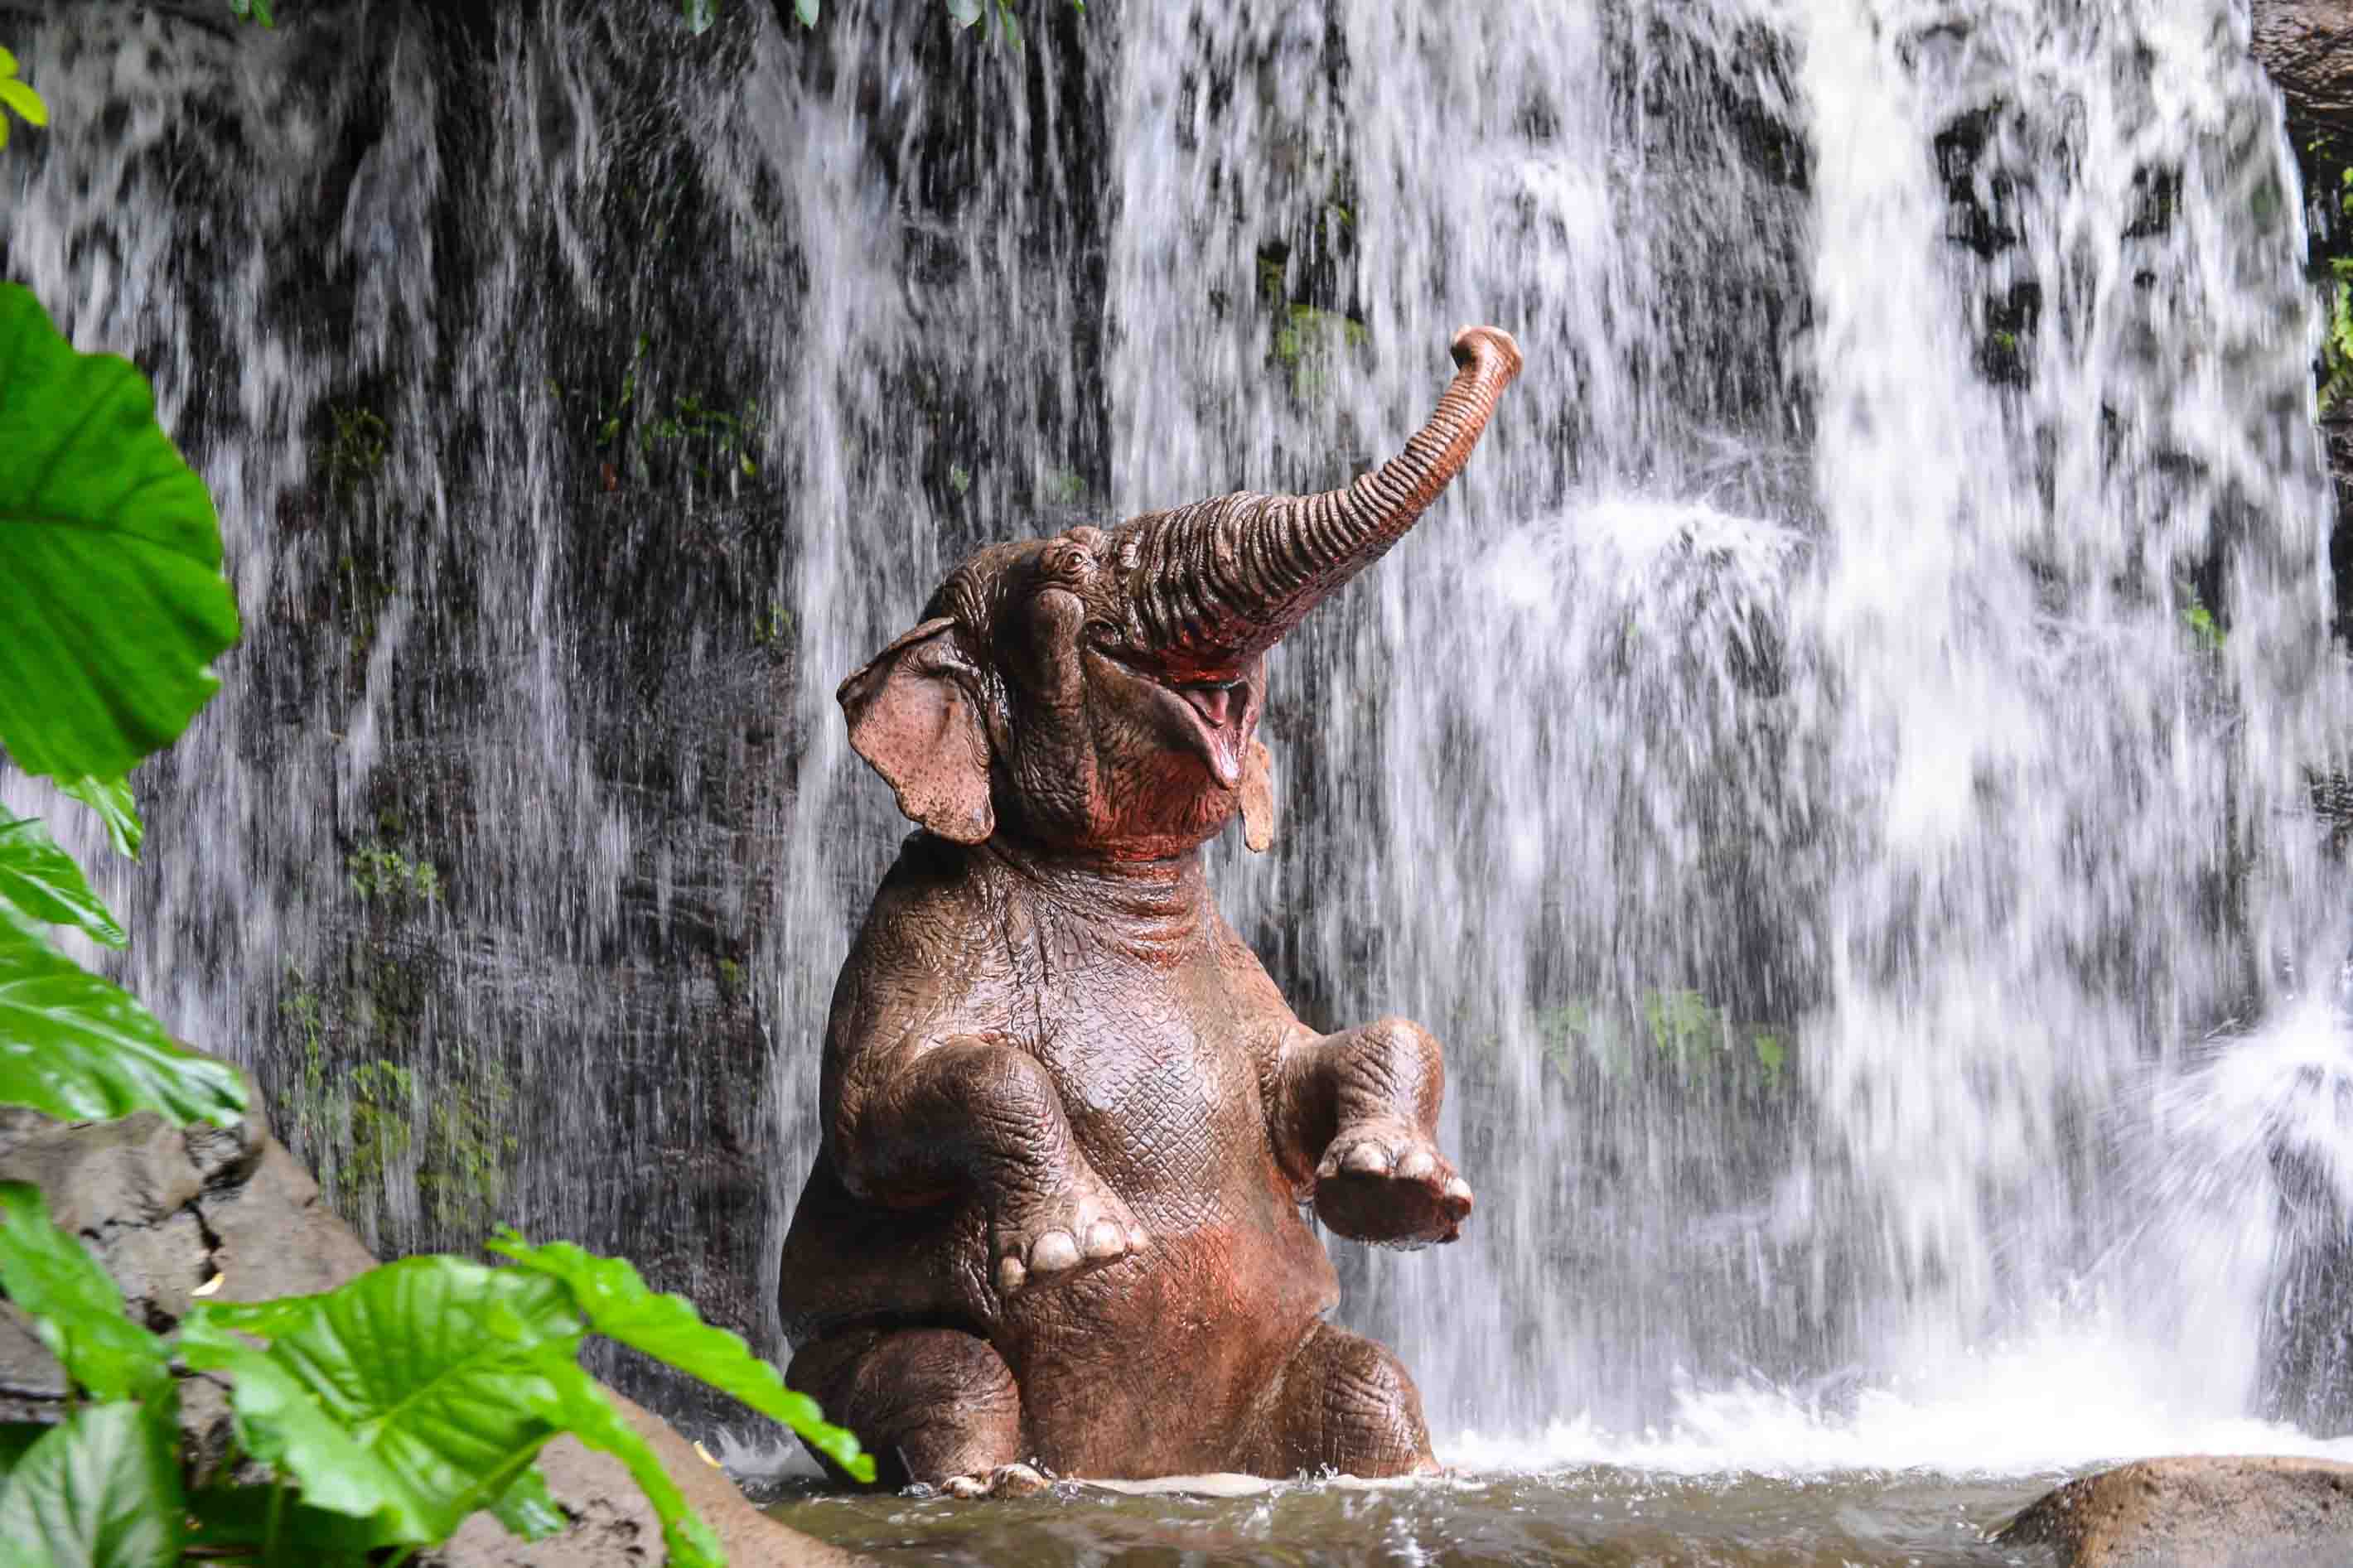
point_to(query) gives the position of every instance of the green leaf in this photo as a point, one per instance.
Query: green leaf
(573, 1402)
(15, 1436)
(1009, 26)
(409, 1395)
(81, 1048)
(963, 12)
(42, 883)
(610, 1294)
(806, 11)
(100, 1489)
(109, 560)
(75, 1305)
(242, 1516)
(527, 1510)
(115, 806)
(23, 100)
(699, 13)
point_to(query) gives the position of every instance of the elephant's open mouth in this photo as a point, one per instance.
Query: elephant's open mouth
(1204, 718)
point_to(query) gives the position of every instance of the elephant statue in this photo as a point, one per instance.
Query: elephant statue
(1068, 1124)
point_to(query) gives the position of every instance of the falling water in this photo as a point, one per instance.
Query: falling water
(1836, 769)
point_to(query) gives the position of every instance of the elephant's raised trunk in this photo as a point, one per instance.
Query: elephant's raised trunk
(1212, 586)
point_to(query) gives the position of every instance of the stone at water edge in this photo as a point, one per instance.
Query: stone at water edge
(168, 1209)
(2198, 1511)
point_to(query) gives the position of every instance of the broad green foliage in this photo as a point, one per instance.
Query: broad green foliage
(111, 799)
(74, 1304)
(112, 591)
(15, 95)
(528, 1510)
(619, 1305)
(103, 1486)
(15, 1438)
(100, 1490)
(109, 560)
(408, 1398)
(389, 1409)
(79, 1049)
(39, 884)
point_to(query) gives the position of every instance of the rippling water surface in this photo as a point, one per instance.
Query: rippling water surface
(1584, 1515)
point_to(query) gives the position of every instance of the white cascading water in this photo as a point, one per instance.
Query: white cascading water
(1834, 770)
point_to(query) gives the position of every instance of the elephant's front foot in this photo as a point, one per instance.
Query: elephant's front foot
(1384, 1181)
(1047, 1237)
(1005, 1481)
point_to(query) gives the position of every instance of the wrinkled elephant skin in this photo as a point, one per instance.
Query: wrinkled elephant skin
(1069, 1123)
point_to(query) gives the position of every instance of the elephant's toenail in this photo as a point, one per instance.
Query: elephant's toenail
(1105, 1240)
(1416, 1163)
(1053, 1251)
(1016, 1480)
(1136, 1240)
(1460, 1189)
(1367, 1159)
(1010, 1276)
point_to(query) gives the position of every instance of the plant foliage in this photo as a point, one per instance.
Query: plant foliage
(112, 590)
(16, 95)
(109, 560)
(393, 1406)
(619, 1306)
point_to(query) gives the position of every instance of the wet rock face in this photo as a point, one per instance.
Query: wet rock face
(165, 1210)
(2307, 48)
(2197, 1512)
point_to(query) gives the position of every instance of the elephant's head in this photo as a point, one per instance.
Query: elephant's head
(1099, 692)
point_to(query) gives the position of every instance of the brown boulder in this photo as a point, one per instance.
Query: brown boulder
(168, 1209)
(2307, 46)
(2197, 1512)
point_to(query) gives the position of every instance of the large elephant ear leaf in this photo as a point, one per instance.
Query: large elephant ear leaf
(81, 1048)
(615, 1299)
(110, 586)
(116, 807)
(100, 1490)
(45, 887)
(410, 1396)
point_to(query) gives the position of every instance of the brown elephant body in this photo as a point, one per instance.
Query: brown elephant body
(1070, 1123)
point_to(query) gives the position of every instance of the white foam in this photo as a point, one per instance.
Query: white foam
(2072, 1398)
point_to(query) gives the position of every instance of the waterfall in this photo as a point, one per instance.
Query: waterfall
(1835, 771)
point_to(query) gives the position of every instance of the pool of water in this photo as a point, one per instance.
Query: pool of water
(1588, 1514)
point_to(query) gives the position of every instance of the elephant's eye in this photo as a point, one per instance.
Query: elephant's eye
(1067, 563)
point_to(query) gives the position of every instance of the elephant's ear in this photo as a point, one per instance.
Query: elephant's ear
(914, 716)
(1258, 798)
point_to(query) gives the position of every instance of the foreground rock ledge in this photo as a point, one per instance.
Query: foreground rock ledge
(167, 1209)
(2197, 1512)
